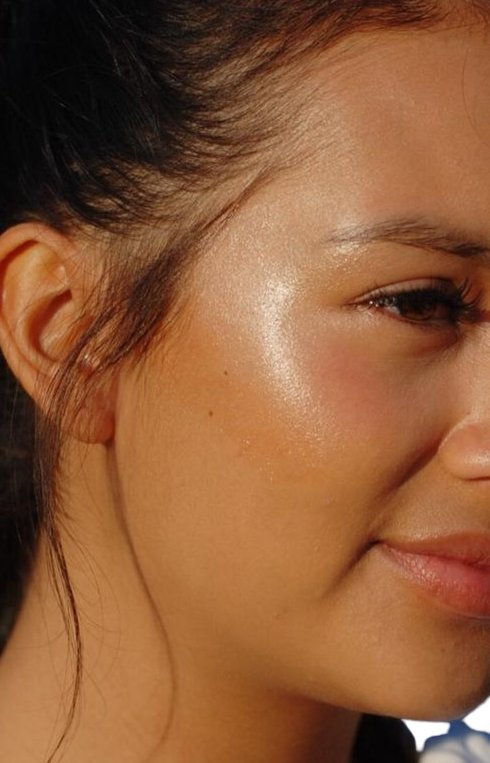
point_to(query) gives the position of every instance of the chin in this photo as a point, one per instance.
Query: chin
(424, 695)
(431, 706)
(445, 695)
(448, 711)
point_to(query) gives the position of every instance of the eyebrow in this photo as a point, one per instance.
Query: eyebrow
(415, 233)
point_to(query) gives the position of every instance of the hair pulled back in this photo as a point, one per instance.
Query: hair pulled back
(118, 119)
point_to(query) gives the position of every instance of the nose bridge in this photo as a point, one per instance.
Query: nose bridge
(466, 449)
(476, 373)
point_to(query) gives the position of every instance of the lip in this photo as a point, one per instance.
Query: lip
(453, 569)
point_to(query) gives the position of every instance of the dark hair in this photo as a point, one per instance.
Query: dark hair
(121, 117)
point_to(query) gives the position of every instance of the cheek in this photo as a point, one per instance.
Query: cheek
(354, 400)
(291, 396)
(256, 470)
(259, 466)
(229, 494)
(357, 407)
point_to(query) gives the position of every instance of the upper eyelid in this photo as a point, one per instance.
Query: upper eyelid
(458, 295)
(463, 288)
(408, 287)
(443, 285)
(466, 310)
(434, 292)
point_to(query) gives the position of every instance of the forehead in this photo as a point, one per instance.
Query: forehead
(400, 121)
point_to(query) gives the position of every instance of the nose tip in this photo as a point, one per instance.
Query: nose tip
(466, 451)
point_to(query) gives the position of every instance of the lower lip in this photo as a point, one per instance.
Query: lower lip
(462, 587)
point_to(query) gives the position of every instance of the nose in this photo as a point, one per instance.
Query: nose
(465, 452)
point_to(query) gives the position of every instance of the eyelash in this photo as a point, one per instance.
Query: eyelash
(436, 294)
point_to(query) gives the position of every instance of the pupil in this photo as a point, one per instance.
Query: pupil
(425, 307)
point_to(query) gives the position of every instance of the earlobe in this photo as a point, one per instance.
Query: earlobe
(42, 306)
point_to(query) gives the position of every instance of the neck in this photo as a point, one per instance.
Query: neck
(140, 702)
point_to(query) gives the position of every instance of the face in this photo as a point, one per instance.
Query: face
(319, 417)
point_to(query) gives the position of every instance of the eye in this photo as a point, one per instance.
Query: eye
(436, 303)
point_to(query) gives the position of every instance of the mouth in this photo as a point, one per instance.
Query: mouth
(454, 570)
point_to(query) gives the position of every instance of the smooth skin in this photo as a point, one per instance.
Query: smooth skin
(227, 498)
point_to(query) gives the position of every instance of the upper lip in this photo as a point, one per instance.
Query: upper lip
(467, 548)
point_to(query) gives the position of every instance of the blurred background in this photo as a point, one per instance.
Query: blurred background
(479, 720)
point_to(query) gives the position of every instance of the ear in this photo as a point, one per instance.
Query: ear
(43, 294)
